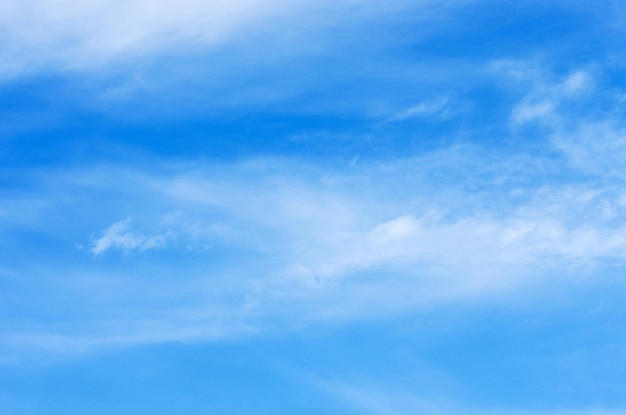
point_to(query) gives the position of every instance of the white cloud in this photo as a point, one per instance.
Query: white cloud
(70, 34)
(436, 108)
(576, 83)
(292, 243)
(593, 141)
(74, 34)
(530, 111)
(544, 95)
(594, 147)
(319, 233)
(119, 237)
(394, 230)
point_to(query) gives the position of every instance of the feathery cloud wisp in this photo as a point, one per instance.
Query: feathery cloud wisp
(119, 237)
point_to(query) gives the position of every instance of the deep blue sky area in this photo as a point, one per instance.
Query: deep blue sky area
(330, 207)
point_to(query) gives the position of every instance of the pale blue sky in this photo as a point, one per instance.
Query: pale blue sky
(346, 207)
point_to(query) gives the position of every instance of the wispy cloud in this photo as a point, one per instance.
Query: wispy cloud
(596, 147)
(75, 34)
(118, 236)
(438, 108)
(422, 202)
(293, 241)
(62, 35)
(307, 244)
(542, 102)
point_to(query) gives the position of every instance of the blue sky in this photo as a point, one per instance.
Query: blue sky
(329, 207)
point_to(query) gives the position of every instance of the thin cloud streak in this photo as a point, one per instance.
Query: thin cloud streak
(374, 398)
(69, 35)
(438, 108)
(79, 34)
